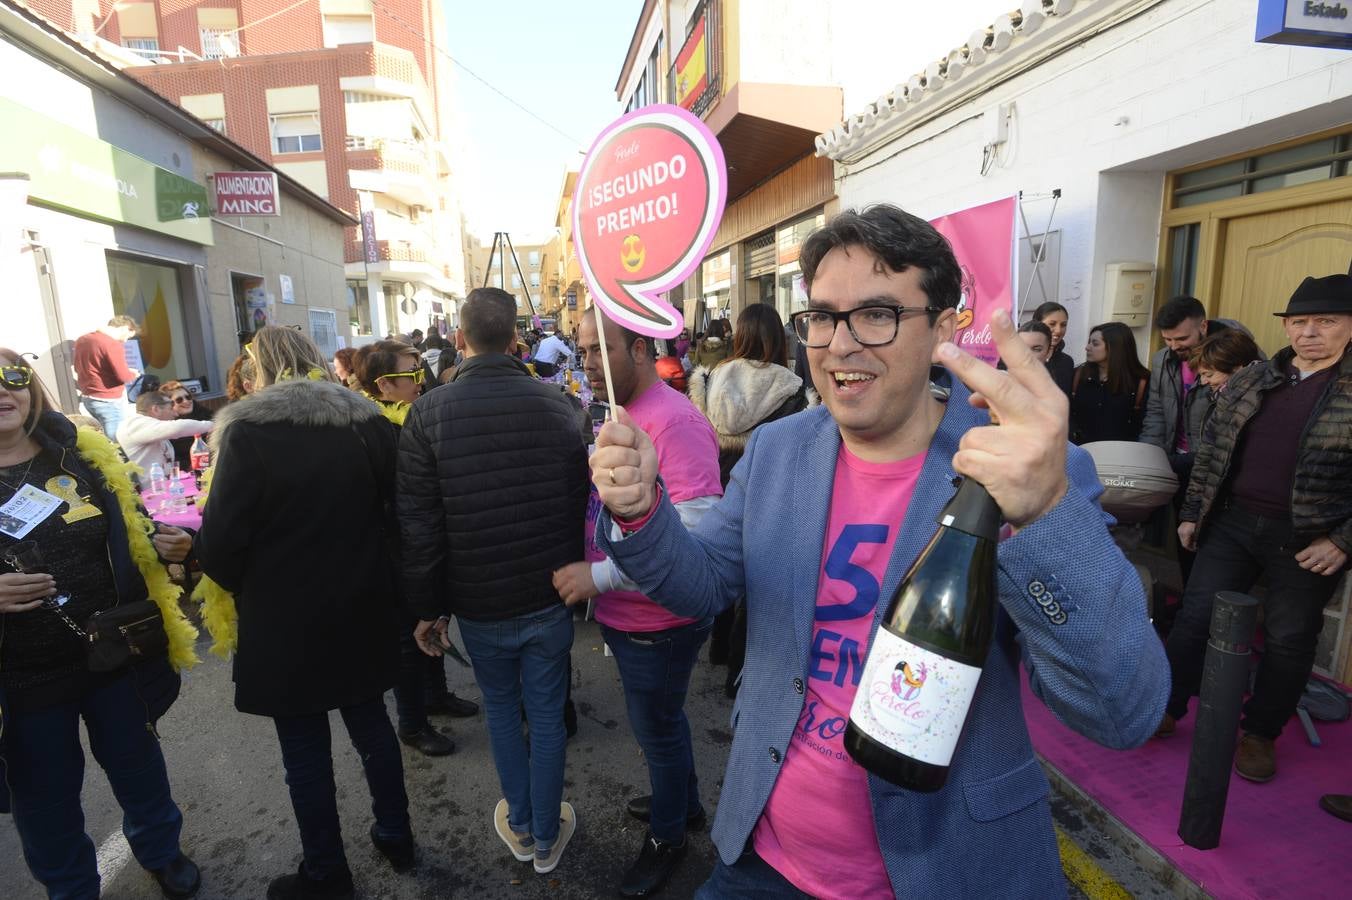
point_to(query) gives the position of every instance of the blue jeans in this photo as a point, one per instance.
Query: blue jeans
(108, 412)
(1236, 547)
(750, 878)
(516, 660)
(308, 757)
(655, 669)
(46, 774)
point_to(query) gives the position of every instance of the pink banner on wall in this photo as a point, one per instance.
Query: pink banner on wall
(983, 241)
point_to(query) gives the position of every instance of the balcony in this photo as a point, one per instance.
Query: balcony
(762, 127)
(406, 170)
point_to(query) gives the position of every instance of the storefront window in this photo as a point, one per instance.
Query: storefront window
(1183, 245)
(717, 278)
(151, 295)
(358, 308)
(791, 293)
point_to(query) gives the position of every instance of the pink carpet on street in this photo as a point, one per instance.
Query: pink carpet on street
(1276, 841)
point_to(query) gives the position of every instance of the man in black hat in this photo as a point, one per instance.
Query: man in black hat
(1269, 496)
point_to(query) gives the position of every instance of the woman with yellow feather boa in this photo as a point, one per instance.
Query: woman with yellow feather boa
(99, 550)
(316, 619)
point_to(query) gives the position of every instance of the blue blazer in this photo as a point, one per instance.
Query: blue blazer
(1072, 610)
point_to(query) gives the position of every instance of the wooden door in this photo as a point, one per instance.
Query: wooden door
(1266, 255)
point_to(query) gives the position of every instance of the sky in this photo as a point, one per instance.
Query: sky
(561, 61)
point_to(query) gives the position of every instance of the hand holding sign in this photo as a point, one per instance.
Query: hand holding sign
(649, 199)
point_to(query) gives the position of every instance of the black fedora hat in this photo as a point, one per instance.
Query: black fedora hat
(1330, 294)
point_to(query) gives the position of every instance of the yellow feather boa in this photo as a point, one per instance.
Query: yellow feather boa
(218, 605)
(99, 452)
(396, 411)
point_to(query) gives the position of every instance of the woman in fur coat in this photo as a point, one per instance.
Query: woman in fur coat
(751, 387)
(317, 620)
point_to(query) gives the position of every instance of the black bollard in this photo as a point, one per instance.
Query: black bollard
(1213, 743)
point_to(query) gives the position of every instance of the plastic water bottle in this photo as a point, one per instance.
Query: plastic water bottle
(156, 479)
(178, 498)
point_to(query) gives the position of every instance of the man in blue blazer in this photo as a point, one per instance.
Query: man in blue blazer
(823, 516)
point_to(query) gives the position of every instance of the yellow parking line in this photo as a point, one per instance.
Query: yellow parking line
(1086, 874)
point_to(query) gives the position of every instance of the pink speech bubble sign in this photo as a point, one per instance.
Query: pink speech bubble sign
(648, 202)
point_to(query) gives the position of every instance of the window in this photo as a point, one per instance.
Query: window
(150, 294)
(296, 133)
(535, 279)
(516, 280)
(646, 92)
(217, 124)
(340, 30)
(535, 259)
(358, 308)
(218, 43)
(1183, 246)
(324, 329)
(1318, 160)
(142, 44)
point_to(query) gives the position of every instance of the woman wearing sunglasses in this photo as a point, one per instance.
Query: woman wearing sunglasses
(91, 548)
(185, 406)
(391, 372)
(308, 611)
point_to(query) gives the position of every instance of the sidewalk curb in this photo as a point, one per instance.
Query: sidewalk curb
(1148, 858)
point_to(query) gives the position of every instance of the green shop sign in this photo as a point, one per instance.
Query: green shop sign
(70, 170)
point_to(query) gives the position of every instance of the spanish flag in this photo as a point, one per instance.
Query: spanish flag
(692, 67)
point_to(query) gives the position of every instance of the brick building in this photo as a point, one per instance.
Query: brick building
(349, 97)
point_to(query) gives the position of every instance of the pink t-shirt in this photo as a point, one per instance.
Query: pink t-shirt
(1189, 382)
(687, 460)
(819, 812)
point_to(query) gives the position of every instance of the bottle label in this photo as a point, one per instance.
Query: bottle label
(912, 699)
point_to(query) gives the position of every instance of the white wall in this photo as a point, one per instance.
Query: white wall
(1103, 121)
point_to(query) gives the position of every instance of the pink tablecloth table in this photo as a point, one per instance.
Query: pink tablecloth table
(157, 504)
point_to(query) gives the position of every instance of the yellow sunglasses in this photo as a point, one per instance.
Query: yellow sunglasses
(417, 375)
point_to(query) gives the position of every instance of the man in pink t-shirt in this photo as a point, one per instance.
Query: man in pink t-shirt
(654, 649)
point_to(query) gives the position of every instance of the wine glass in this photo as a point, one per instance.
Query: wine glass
(25, 557)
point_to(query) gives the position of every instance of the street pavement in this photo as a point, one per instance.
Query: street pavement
(227, 777)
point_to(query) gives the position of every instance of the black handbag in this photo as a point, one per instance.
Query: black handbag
(124, 635)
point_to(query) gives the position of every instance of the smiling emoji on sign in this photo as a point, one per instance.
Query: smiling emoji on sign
(632, 253)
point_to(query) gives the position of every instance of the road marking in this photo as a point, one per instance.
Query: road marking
(112, 858)
(1085, 874)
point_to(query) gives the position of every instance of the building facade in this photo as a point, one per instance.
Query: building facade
(351, 98)
(1213, 164)
(109, 213)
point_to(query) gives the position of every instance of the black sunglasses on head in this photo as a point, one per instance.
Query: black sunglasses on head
(16, 377)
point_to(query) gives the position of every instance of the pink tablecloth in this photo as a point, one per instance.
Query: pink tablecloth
(158, 505)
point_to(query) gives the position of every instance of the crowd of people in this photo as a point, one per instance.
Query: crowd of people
(489, 497)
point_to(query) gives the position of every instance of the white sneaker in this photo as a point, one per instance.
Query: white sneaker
(547, 861)
(521, 845)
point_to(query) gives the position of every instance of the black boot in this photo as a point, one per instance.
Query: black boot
(398, 852)
(448, 704)
(428, 741)
(334, 886)
(180, 879)
(655, 863)
(641, 808)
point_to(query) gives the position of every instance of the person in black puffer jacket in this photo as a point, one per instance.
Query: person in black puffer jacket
(492, 496)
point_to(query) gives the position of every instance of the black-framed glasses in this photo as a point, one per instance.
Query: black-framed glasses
(871, 326)
(16, 378)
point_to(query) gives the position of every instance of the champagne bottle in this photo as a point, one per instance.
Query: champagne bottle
(926, 658)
